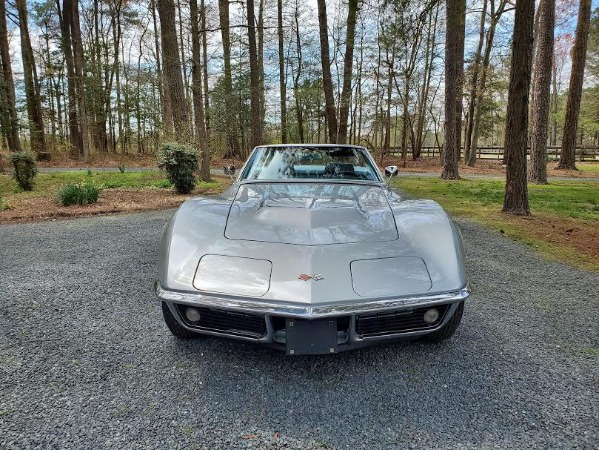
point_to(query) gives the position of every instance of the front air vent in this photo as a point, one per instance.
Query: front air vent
(397, 322)
(227, 322)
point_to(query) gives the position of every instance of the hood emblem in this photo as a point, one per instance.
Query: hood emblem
(306, 277)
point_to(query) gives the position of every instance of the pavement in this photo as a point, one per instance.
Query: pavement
(86, 360)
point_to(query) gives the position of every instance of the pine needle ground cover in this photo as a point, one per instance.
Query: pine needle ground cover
(564, 224)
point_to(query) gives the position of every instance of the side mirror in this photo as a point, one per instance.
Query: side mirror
(229, 169)
(391, 171)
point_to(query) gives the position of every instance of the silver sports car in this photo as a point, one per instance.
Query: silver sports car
(310, 251)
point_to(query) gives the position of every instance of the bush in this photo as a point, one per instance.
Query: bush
(3, 205)
(180, 163)
(25, 169)
(78, 194)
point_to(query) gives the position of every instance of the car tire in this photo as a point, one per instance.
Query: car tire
(447, 330)
(175, 328)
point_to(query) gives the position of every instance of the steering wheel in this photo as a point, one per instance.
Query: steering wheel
(347, 173)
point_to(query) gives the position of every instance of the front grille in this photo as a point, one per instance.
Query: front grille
(231, 322)
(397, 322)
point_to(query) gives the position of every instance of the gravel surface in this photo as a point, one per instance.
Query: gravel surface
(87, 362)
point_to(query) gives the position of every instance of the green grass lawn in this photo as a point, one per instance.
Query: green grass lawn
(48, 183)
(588, 167)
(575, 203)
(478, 197)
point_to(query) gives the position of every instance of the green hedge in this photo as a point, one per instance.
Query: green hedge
(25, 169)
(180, 162)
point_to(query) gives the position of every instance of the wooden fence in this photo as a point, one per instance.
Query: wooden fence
(582, 154)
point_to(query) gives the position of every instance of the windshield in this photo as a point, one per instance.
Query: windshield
(310, 162)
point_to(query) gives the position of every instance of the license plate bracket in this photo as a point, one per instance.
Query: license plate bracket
(311, 337)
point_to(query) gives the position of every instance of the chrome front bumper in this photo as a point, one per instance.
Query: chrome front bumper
(308, 311)
(350, 312)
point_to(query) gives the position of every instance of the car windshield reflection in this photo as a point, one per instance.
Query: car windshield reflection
(312, 163)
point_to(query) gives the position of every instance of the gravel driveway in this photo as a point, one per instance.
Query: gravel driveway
(86, 361)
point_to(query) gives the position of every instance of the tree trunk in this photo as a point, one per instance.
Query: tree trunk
(282, 81)
(541, 91)
(9, 119)
(223, 10)
(205, 70)
(254, 77)
(474, 82)
(80, 81)
(115, 18)
(183, 57)
(516, 131)
(352, 12)
(34, 104)
(172, 69)
(554, 101)
(460, 82)
(296, 80)
(261, 63)
(198, 101)
(455, 31)
(165, 102)
(65, 24)
(327, 81)
(495, 16)
(567, 158)
(428, 66)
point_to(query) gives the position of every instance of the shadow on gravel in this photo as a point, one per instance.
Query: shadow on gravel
(420, 389)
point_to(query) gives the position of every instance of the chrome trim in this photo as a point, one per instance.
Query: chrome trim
(305, 311)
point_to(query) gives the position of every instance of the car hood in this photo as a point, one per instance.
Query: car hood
(310, 214)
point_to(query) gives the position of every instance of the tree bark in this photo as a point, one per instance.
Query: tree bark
(567, 158)
(34, 104)
(65, 19)
(460, 82)
(198, 101)
(541, 92)
(453, 90)
(165, 101)
(516, 131)
(348, 60)
(282, 80)
(428, 66)
(260, 49)
(172, 69)
(223, 12)
(205, 70)
(296, 80)
(9, 120)
(474, 83)
(482, 84)
(254, 77)
(79, 81)
(327, 81)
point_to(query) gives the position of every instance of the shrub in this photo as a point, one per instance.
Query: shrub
(122, 168)
(25, 169)
(78, 194)
(180, 163)
(3, 205)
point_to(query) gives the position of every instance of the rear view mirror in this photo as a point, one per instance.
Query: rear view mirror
(391, 171)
